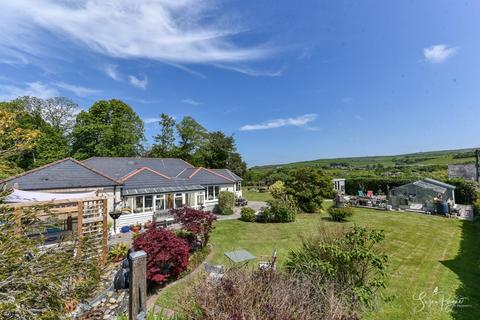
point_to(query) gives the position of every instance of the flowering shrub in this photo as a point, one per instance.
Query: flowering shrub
(198, 222)
(167, 255)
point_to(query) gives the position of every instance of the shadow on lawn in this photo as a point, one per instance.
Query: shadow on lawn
(467, 267)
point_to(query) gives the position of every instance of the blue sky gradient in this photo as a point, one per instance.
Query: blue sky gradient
(291, 80)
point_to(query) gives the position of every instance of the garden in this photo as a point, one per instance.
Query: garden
(430, 258)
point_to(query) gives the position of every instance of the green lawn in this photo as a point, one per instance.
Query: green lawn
(425, 252)
(256, 196)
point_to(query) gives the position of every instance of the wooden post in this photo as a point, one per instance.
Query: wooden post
(105, 231)
(79, 224)
(18, 220)
(138, 285)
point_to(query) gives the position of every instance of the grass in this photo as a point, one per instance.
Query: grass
(256, 196)
(425, 253)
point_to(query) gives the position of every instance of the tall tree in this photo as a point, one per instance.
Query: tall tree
(165, 141)
(220, 152)
(109, 128)
(52, 143)
(192, 137)
(59, 112)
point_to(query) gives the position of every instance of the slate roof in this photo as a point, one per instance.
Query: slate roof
(118, 168)
(62, 174)
(204, 176)
(133, 174)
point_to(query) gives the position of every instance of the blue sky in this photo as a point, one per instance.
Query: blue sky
(292, 80)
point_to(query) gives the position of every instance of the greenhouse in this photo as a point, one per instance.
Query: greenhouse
(427, 195)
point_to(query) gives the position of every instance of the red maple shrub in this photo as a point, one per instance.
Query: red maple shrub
(198, 222)
(167, 255)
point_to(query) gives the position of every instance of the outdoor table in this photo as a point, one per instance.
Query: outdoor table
(240, 256)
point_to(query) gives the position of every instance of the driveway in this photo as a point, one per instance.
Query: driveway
(255, 205)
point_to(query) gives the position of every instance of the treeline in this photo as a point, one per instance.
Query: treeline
(109, 128)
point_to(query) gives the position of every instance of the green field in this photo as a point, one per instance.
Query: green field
(425, 253)
(443, 157)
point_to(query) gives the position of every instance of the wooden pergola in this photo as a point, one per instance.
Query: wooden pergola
(83, 217)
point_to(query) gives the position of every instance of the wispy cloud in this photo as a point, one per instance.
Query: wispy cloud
(251, 71)
(299, 121)
(191, 102)
(79, 91)
(151, 120)
(439, 53)
(112, 72)
(37, 89)
(170, 31)
(139, 83)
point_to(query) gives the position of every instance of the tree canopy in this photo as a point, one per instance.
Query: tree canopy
(109, 128)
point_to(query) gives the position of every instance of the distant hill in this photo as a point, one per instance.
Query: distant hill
(443, 157)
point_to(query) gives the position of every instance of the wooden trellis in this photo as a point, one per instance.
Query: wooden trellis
(84, 217)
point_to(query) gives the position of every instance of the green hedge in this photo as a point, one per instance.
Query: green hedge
(465, 192)
(226, 202)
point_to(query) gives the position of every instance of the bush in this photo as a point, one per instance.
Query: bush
(247, 294)
(340, 214)
(42, 284)
(167, 255)
(280, 211)
(226, 201)
(277, 190)
(248, 214)
(307, 188)
(350, 258)
(198, 222)
(118, 251)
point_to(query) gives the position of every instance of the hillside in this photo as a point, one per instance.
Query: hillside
(443, 157)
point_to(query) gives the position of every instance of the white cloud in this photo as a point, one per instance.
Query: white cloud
(36, 89)
(277, 123)
(439, 53)
(79, 91)
(171, 31)
(139, 83)
(252, 72)
(191, 102)
(151, 120)
(111, 71)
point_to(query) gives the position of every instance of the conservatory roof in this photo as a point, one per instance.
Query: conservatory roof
(179, 188)
(428, 185)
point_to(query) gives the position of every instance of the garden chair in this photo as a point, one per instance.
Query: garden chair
(370, 193)
(270, 263)
(360, 193)
(214, 272)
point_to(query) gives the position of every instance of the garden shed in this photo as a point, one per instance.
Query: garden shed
(427, 195)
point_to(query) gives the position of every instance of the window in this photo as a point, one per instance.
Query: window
(190, 197)
(178, 200)
(200, 198)
(160, 202)
(127, 203)
(210, 195)
(239, 186)
(148, 203)
(212, 192)
(138, 204)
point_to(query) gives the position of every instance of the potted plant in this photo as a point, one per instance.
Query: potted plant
(148, 224)
(136, 227)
